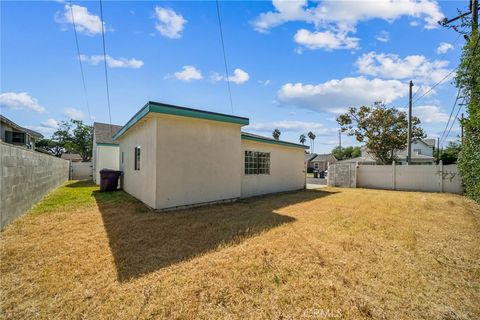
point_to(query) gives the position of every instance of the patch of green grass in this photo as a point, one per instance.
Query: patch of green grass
(75, 195)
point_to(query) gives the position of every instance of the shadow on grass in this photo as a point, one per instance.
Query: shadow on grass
(143, 241)
(80, 184)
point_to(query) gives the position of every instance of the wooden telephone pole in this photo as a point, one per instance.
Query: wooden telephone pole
(409, 142)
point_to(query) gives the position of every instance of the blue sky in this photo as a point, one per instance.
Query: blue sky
(293, 65)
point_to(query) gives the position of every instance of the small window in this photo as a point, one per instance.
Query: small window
(315, 165)
(417, 151)
(137, 158)
(257, 162)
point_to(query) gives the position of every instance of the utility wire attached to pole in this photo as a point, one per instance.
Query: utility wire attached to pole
(80, 62)
(224, 55)
(105, 65)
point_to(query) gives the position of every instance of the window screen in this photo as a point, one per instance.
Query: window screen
(137, 158)
(257, 162)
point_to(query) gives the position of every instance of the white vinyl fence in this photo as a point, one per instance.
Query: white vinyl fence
(430, 178)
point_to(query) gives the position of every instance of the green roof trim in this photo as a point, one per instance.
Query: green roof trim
(163, 108)
(108, 144)
(268, 140)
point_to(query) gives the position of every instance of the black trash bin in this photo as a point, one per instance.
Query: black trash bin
(109, 179)
(315, 173)
(322, 174)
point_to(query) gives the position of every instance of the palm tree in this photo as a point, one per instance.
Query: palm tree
(312, 137)
(302, 138)
(276, 134)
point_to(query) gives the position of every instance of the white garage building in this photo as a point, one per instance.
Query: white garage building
(174, 156)
(105, 150)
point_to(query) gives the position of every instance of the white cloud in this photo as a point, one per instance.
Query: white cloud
(20, 100)
(188, 73)
(50, 123)
(346, 14)
(391, 66)
(327, 40)
(113, 62)
(169, 23)
(45, 131)
(291, 126)
(443, 47)
(337, 95)
(264, 82)
(85, 22)
(334, 20)
(73, 113)
(429, 113)
(383, 36)
(239, 76)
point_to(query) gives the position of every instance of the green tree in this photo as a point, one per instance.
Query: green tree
(52, 146)
(467, 81)
(75, 137)
(302, 138)
(450, 154)
(276, 134)
(383, 130)
(346, 153)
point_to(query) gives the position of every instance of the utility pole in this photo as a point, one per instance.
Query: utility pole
(409, 142)
(438, 148)
(340, 139)
(474, 10)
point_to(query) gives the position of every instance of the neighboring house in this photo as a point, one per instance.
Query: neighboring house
(422, 153)
(105, 154)
(174, 156)
(12, 133)
(73, 157)
(321, 161)
(308, 161)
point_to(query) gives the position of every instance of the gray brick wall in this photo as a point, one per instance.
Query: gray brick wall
(25, 178)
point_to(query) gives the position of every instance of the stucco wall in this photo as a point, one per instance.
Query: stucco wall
(106, 157)
(287, 169)
(142, 183)
(25, 178)
(197, 161)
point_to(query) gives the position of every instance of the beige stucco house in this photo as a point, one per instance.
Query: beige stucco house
(105, 154)
(174, 156)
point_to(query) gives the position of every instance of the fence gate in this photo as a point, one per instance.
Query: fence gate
(81, 170)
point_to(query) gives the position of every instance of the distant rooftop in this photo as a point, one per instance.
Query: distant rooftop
(104, 132)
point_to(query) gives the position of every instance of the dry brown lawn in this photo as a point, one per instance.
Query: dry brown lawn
(334, 253)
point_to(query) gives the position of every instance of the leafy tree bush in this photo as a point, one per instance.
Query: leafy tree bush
(383, 130)
(467, 81)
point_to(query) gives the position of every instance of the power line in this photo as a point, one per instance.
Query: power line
(439, 82)
(435, 85)
(451, 113)
(458, 94)
(105, 65)
(80, 62)
(224, 55)
(453, 122)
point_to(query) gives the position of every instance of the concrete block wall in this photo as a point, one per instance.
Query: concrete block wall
(25, 178)
(342, 175)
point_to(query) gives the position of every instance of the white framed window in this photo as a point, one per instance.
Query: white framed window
(417, 151)
(137, 158)
(316, 165)
(257, 162)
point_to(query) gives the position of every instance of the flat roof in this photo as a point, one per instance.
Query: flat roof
(163, 108)
(257, 138)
